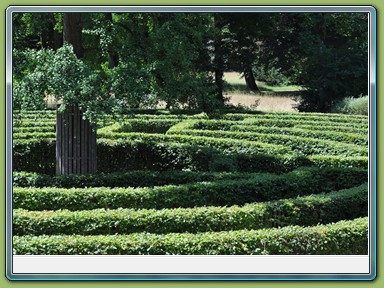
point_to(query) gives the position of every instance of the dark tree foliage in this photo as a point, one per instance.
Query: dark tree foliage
(326, 53)
(179, 59)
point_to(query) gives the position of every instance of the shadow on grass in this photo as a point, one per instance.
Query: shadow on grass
(242, 88)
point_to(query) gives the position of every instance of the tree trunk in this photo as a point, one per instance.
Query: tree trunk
(218, 58)
(72, 32)
(75, 144)
(57, 37)
(113, 56)
(250, 79)
(75, 137)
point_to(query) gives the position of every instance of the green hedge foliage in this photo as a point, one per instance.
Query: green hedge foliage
(351, 105)
(299, 145)
(35, 155)
(265, 187)
(128, 155)
(345, 129)
(143, 125)
(341, 238)
(349, 138)
(142, 178)
(338, 161)
(33, 129)
(214, 142)
(30, 123)
(309, 118)
(225, 124)
(304, 211)
(34, 135)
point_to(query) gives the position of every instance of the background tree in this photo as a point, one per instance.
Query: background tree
(326, 53)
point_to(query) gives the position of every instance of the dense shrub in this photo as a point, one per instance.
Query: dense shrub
(262, 187)
(34, 135)
(345, 129)
(311, 117)
(300, 145)
(310, 210)
(338, 161)
(270, 74)
(341, 238)
(143, 125)
(127, 155)
(350, 105)
(32, 129)
(323, 134)
(35, 155)
(223, 144)
(143, 178)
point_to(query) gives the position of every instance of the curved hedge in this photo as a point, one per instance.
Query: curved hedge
(297, 144)
(128, 155)
(229, 192)
(298, 116)
(140, 154)
(34, 135)
(215, 142)
(33, 129)
(341, 238)
(141, 178)
(143, 125)
(323, 134)
(310, 210)
(225, 124)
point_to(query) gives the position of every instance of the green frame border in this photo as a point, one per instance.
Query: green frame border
(4, 282)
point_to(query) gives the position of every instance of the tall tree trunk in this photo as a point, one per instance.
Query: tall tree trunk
(75, 143)
(113, 56)
(57, 37)
(75, 137)
(250, 79)
(72, 32)
(218, 58)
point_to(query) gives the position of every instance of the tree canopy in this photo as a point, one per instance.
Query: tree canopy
(134, 60)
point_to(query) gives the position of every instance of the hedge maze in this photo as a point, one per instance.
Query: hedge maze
(196, 184)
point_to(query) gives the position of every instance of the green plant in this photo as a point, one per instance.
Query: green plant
(352, 105)
(341, 238)
(309, 210)
(270, 74)
(259, 187)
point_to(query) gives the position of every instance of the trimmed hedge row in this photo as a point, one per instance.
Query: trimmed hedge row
(341, 118)
(300, 145)
(23, 123)
(284, 122)
(128, 155)
(34, 135)
(34, 129)
(114, 156)
(233, 145)
(35, 155)
(264, 187)
(225, 124)
(349, 138)
(131, 125)
(144, 125)
(123, 155)
(195, 112)
(341, 238)
(345, 129)
(143, 178)
(337, 161)
(305, 211)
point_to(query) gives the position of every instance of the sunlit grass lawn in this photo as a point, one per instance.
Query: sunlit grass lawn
(270, 98)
